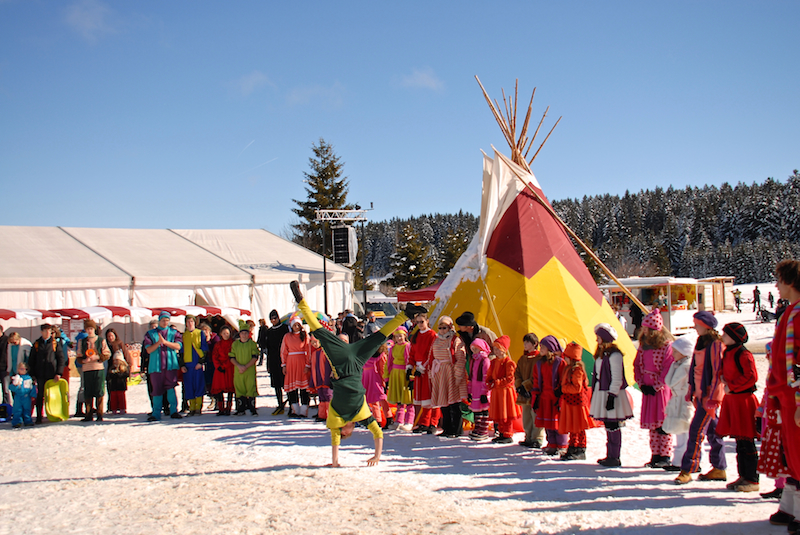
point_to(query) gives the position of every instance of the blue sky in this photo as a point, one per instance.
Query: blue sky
(202, 114)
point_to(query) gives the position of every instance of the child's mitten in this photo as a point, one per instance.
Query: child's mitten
(610, 401)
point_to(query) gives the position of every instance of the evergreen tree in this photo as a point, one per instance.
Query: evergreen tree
(412, 266)
(454, 246)
(327, 190)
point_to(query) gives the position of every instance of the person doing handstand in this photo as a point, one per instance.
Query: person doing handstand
(349, 404)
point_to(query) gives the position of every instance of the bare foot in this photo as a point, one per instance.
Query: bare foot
(372, 461)
(332, 465)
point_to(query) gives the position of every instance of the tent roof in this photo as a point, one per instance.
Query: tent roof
(270, 258)
(646, 282)
(159, 256)
(34, 256)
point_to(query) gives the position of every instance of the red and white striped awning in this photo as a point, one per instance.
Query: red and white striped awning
(26, 314)
(202, 311)
(104, 312)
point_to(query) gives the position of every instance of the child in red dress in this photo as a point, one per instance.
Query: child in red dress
(503, 408)
(737, 417)
(546, 393)
(573, 417)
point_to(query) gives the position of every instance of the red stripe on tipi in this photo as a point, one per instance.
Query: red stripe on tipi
(527, 237)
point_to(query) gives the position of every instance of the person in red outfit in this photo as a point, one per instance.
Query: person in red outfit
(546, 392)
(573, 416)
(503, 408)
(737, 417)
(783, 385)
(421, 341)
(222, 381)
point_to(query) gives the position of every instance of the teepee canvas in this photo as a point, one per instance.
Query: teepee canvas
(521, 272)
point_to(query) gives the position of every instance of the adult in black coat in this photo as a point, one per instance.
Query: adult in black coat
(4, 365)
(274, 339)
(45, 362)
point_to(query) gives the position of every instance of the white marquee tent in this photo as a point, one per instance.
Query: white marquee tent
(49, 268)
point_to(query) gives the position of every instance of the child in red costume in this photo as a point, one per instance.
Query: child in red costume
(421, 341)
(737, 417)
(546, 392)
(573, 417)
(503, 408)
(222, 382)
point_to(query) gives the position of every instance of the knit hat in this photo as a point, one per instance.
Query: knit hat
(573, 351)
(482, 345)
(706, 318)
(606, 332)
(89, 323)
(243, 326)
(653, 320)
(466, 319)
(164, 314)
(274, 314)
(550, 343)
(504, 342)
(736, 331)
(402, 328)
(293, 320)
(685, 344)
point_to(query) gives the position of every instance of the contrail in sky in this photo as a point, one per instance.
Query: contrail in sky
(244, 149)
(256, 167)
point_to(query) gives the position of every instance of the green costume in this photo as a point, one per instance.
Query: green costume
(347, 362)
(244, 383)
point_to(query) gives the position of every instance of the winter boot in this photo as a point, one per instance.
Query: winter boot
(389, 423)
(574, 454)
(715, 474)
(613, 449)
(303, 411)
(240, 408)
(251, 402)
(294, 410)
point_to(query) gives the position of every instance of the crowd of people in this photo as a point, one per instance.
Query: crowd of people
(408, 376)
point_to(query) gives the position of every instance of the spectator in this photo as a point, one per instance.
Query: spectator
(162, 344)
(45, 363)
(18, 350)
(4, 365)
(93, 352)
(756, 299)
(275, 336)
(372, 325)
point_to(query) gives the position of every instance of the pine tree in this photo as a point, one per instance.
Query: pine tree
(454, 245)
(327, 190)
(412, 266)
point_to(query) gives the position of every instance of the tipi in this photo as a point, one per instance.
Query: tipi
(521, 273)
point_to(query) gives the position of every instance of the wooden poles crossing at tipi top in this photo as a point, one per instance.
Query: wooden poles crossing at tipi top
(520, 147)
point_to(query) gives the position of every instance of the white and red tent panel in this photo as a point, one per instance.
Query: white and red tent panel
(26, 314)
(202, 311)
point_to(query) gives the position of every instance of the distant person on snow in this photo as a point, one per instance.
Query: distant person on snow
(756, 299)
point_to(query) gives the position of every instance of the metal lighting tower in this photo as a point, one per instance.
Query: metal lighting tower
(341, 216)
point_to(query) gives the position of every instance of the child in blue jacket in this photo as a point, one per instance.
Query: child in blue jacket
(24, 390)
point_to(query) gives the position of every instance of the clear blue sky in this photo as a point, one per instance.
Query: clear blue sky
(202, 114)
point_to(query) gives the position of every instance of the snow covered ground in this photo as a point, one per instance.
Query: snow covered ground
(266, 474)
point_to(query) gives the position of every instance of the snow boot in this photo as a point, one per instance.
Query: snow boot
(389, 423)
(240, 408)
(574, 454)
(715, 474)
(251, 402)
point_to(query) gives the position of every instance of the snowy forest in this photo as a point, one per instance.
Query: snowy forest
(740, 231)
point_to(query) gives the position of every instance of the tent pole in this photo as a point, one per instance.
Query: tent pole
(491, 306)
(574, 236)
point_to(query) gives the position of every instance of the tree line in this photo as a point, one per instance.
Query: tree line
(740, 231)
